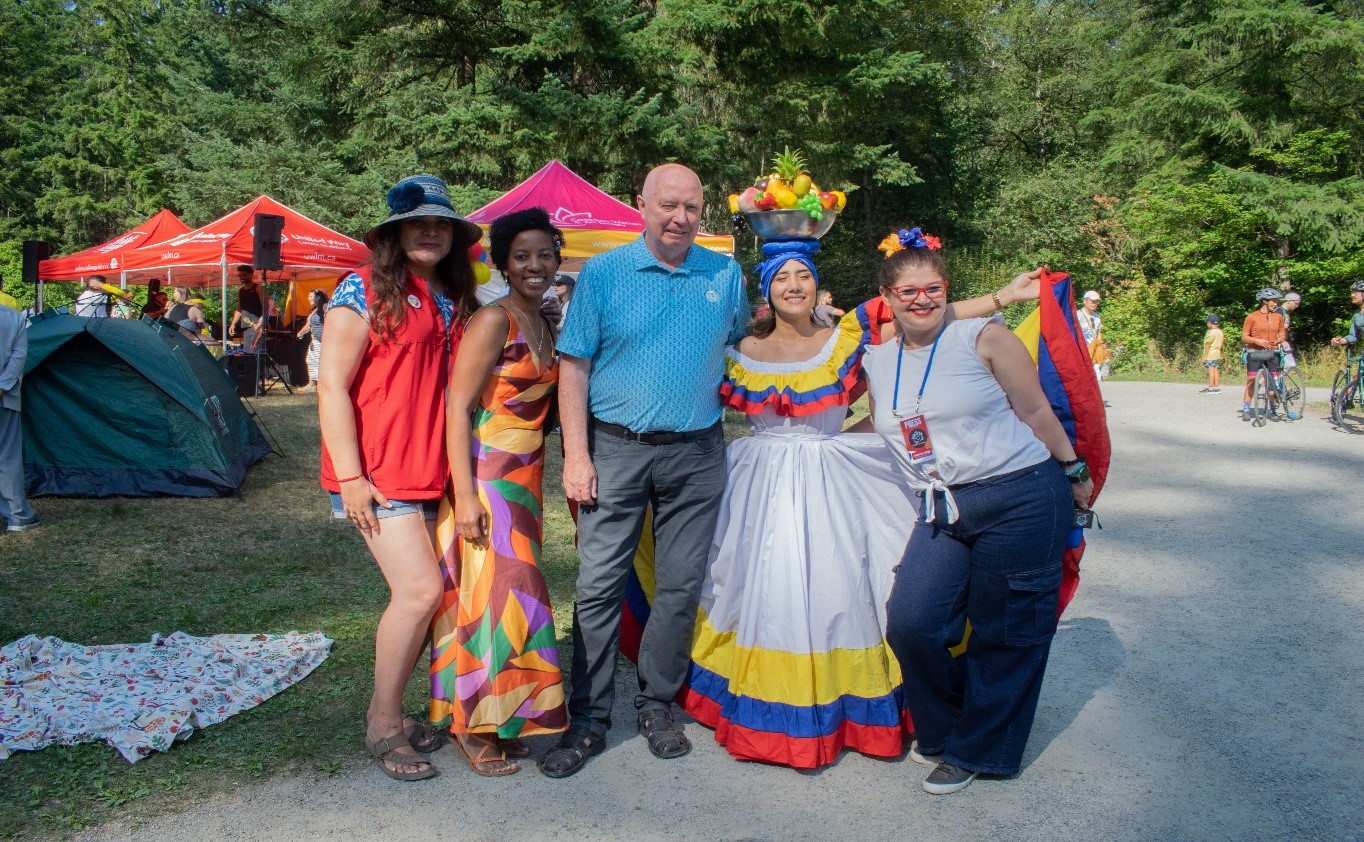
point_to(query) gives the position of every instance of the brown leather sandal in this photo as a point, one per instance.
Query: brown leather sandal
(421, 737)
(485, 756)
(385, 751)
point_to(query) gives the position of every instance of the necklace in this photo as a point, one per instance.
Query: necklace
(541, 340)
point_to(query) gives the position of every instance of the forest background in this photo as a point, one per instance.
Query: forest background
(1176, 156)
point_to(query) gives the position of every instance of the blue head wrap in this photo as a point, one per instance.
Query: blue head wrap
(777, 253)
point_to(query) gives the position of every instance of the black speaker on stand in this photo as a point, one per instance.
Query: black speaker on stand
(267, 236)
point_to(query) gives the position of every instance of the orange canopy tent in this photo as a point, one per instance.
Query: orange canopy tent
(312, 254)
(107, 258)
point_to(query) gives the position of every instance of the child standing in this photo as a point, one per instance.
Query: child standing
(1212, 356)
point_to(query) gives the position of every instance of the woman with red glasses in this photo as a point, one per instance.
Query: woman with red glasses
(960, 404)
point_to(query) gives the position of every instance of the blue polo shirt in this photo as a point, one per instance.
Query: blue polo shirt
(656, 336)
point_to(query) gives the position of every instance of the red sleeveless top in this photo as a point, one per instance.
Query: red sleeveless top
(398, 395)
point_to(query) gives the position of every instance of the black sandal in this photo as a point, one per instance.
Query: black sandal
(571, 753)
(665, 738)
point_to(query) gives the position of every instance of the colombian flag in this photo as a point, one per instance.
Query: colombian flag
(1058, 347)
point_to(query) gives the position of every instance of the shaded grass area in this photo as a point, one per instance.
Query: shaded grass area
(120, 570)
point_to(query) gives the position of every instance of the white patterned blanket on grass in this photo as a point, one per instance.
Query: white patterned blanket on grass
(142, 697)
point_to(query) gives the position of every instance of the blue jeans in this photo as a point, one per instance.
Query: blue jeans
(998, 565)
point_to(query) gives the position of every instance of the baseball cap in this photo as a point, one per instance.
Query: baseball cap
(1091, 294)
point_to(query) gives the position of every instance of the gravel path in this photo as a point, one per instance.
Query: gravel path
(1207, 683)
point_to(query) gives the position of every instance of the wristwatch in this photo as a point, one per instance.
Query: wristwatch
(1076, 471)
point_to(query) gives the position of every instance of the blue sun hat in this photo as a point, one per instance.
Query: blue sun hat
(427, 195)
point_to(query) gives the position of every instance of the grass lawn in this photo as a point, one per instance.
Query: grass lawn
(120, 570)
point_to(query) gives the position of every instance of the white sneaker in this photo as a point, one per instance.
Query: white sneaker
(925, 759)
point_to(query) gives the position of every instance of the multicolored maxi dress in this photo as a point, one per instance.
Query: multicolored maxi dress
(494, 659)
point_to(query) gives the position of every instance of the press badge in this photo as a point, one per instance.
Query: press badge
(917, 443)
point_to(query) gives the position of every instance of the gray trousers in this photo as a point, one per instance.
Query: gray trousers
(684, 483)
(14, 508)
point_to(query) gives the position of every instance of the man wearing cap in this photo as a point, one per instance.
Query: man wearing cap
(1291, 300)
(1091, 325)
(643, 357)
(563, 292)
(1212, 355)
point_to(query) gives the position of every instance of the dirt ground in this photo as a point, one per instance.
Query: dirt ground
(1207, 683)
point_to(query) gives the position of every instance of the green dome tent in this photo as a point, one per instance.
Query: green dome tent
(115, 407)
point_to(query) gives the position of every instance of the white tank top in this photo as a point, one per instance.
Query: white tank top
(974, 431)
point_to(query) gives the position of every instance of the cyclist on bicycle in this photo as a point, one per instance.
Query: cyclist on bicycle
(1263, 335)
(1357, 320)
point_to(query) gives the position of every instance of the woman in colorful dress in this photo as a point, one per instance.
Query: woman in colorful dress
(381, 403)
(495, 663)
(790, 663)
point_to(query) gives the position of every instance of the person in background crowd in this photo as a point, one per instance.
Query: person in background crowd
(1212, 355)
(391, 328)
(643, 356)
(563, 291)
(15, 510)
(157, 300)
(1091, 326)
(247, 319)
(7, 300)
(825, 314)
(188, 315)
(961, 407)
(1291, 301)
(1263, 336)
(313, 330)
(1356, 319)
(93, 302)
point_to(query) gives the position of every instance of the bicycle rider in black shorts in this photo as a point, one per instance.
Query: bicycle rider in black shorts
(1263, 334)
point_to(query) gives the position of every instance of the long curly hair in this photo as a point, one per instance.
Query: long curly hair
(388, 278)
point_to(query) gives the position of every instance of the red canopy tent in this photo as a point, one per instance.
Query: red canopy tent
(309, 250)
(107, 258)
(592, 221)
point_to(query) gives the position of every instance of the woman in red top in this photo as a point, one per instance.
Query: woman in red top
(391, 330)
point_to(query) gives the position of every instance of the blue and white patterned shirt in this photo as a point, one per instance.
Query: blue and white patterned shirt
(656, 336)
(350, 293)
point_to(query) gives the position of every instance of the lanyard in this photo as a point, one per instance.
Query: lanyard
(899, 361)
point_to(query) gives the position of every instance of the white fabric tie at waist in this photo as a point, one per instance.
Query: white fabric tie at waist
(793, 437)
(930, 502)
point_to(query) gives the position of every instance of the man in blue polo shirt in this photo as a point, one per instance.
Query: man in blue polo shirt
(642, 359)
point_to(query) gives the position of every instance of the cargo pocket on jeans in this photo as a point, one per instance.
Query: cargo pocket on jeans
(1030, 610)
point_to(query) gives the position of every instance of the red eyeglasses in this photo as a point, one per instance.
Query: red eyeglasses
(910, 293)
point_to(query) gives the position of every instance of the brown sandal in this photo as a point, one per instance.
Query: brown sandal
(421, 737)
(385, 751)
(485, 756)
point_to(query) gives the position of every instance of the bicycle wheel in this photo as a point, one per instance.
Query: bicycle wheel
(1294, 395)
(1259, 399)
(1339, 397)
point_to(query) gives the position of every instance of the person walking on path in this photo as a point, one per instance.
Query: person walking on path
(643, 353)
(14, 508)
(391, 330)
(1212, 355)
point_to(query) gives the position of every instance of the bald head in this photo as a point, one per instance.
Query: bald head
(670, 202)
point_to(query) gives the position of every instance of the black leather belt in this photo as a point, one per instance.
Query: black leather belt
(619, 432)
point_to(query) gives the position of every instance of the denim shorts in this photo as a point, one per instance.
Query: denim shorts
(1212, 363)
(427, 508)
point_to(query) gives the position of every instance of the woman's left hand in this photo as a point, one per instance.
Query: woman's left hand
(1024, 287)
(1084, 493)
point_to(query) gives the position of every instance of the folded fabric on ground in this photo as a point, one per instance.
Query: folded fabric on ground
(142, 697)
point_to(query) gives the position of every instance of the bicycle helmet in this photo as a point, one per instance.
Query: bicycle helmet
(1268, 293)
(1357, 286)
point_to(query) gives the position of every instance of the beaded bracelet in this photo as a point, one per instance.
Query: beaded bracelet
(999, 307)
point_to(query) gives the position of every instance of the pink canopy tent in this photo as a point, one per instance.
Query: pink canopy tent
(592, 221)
(107, 258)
